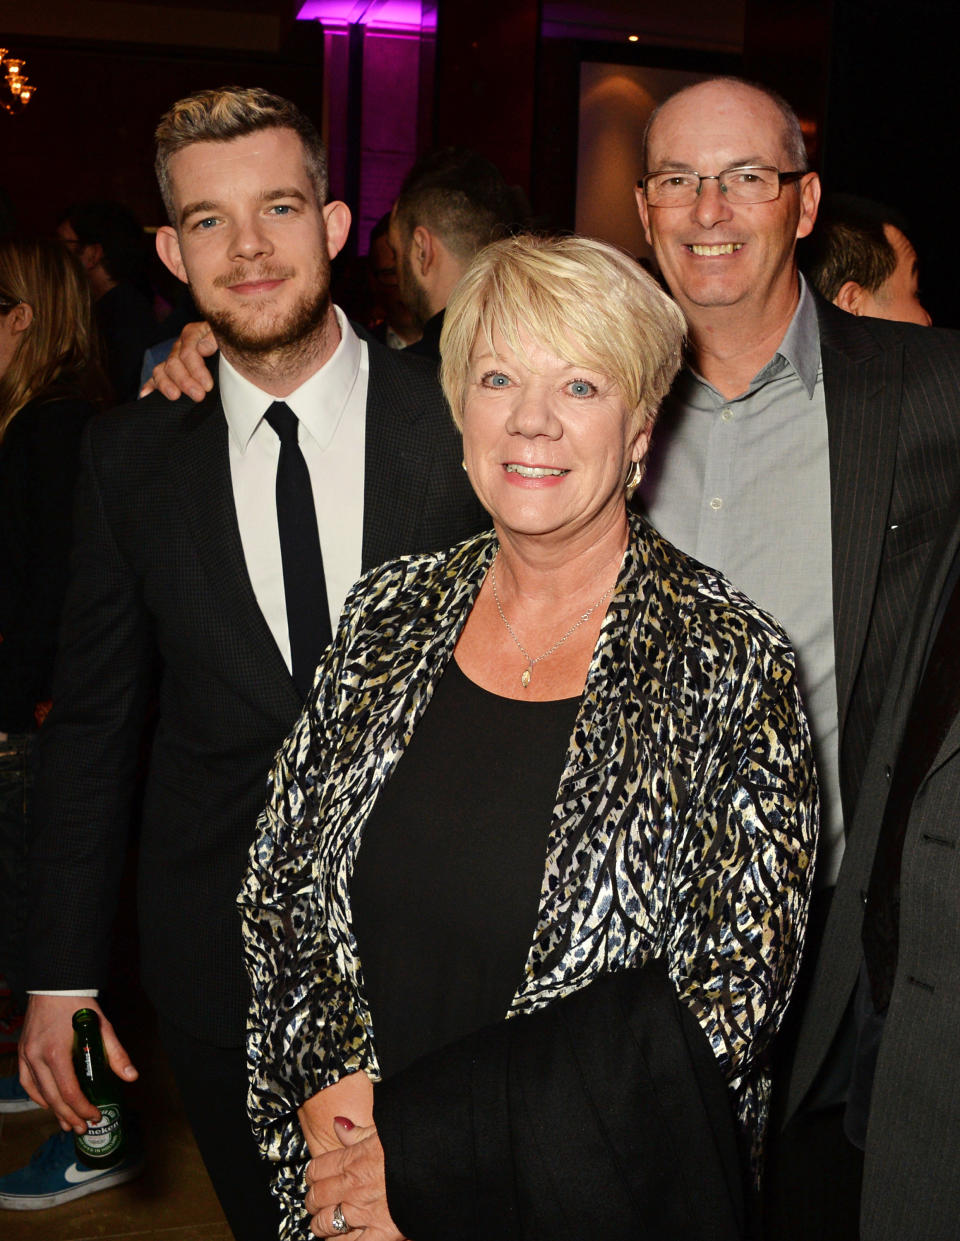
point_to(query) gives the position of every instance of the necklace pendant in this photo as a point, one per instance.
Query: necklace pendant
(525, 677)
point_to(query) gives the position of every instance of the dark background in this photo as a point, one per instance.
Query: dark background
(873, 82)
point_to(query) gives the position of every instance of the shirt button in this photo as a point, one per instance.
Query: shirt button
(727, 415)
(716, 503)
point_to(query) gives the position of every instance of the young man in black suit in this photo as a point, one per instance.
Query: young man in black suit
(188, 557)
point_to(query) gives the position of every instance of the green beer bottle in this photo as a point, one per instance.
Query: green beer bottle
(103, 1144)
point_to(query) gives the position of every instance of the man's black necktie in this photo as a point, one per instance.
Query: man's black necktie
(308, 615)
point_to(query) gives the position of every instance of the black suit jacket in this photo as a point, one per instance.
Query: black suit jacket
(892, 394)
(159, 582)
(911, 1185)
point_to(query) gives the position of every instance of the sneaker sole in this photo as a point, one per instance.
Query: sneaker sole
(39, 1202)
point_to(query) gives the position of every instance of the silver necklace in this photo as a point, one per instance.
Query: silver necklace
(528, 671)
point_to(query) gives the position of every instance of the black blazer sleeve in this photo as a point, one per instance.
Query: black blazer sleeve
(89, 748)
(603, 1114)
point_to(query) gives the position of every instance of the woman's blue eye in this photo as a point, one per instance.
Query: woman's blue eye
(580, 387)
(496, 379)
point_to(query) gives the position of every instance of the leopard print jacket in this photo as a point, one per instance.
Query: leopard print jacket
(684, 827)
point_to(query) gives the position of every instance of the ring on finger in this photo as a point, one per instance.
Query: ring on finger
(339, 1224)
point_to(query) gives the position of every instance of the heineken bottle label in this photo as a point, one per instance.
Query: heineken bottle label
(102, 1139)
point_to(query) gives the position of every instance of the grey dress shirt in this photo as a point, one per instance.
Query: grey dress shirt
(744, 486)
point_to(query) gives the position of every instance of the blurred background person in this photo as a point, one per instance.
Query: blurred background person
(51, 382)
(860, 257)
(109, 242)
(392, 322)
(559, 774)
(452, 203)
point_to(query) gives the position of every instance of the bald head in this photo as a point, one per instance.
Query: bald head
(726, 88)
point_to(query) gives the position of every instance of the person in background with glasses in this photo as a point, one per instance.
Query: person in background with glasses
(393, 323)
(811, 457)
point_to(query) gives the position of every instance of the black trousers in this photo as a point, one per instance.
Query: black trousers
(213, 1083)
(812, 1180)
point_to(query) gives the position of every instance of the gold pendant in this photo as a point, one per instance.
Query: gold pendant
(525, 678)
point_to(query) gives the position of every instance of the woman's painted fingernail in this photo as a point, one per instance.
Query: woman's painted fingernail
(342, 1120)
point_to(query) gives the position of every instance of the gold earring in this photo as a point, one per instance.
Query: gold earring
(635, 476)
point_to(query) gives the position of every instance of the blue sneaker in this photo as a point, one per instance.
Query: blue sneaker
(54, 1175)
(13, 1097)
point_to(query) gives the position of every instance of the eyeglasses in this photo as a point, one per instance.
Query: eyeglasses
(8, 303)
(754, 183)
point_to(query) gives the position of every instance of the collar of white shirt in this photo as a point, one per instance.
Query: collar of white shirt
(319, 402)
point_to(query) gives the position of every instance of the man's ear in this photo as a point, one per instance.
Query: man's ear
(424, 247)
(809, 202)
(850, 297)
(644, 210)
(168, 248)
(336, 218)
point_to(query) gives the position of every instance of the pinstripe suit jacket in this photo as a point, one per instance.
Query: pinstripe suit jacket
(893, 410)
(893, 414)
(159, 583)
(911, 1185)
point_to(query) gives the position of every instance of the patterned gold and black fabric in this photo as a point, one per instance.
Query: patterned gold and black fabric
(684, 827)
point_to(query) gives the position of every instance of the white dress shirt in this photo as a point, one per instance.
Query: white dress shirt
(331, 408)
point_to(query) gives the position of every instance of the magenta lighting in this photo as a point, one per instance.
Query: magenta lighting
(398, 15)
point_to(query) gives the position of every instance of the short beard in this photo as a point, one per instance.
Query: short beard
(269, 345)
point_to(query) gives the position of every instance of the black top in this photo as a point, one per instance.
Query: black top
(428, 346)
(128, 327)
(39, 459)
(447, 882)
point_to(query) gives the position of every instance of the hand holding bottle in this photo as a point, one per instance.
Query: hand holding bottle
(46, 1058)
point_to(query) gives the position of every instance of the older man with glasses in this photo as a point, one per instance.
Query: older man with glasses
(810, 456)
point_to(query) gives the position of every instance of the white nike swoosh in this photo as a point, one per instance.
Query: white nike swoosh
(77, 1175)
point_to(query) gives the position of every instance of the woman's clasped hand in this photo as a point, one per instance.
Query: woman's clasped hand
(347, 1193)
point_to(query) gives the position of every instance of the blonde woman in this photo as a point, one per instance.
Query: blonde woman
(527, 900)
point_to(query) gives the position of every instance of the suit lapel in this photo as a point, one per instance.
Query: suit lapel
(206, 492)
(862, 385)
(397, 459)
(931, 594)
(901, 690)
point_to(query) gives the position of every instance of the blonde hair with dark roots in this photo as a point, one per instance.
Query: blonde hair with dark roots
(588, 302)
(58, 353)
(233, 112)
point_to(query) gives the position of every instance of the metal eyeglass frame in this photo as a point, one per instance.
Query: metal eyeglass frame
(783, 178)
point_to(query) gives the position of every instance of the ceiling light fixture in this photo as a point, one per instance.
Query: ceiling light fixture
(16, 90)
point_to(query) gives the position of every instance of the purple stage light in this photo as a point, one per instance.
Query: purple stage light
(387, 15)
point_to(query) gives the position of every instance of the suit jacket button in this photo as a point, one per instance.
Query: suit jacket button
(887, 772)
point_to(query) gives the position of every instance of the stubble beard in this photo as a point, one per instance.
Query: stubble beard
(413, 295)
(268, 343)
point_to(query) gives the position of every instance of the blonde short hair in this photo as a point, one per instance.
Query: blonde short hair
(588, 302)
(233, 112)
